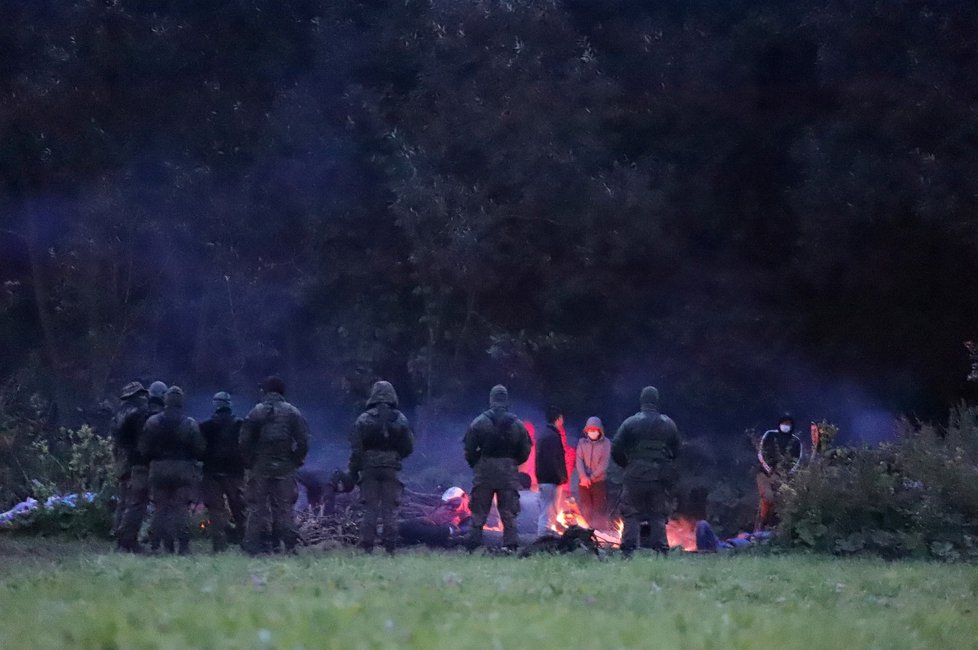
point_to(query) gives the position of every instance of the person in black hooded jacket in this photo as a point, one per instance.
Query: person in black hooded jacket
(381, 439)
(778, 456)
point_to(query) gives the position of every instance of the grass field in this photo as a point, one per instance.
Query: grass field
(78, 596)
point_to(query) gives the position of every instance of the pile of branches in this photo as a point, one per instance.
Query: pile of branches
(341, 527)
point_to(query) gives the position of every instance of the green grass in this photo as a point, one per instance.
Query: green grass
(73, 595)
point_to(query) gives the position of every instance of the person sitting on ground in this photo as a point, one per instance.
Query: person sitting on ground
(446, 524)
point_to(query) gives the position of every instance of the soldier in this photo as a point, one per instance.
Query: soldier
(157, 391)
(646, 446)
(496, 443)
(223, 472)
(381, 439)
(778, 456)
(130, 467)
(274, 441)
(172, 444)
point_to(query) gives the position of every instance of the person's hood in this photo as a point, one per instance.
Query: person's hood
(382, 393)
(173, 397)
(594, 422)
(650, 398)
(787, 417)
(499, 397)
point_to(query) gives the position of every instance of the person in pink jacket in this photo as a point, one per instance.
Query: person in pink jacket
(593, 455)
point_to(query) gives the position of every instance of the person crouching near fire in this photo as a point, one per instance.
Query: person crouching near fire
(551, 468)
(381, 439)
(496, 444)
(778, 456)
(593, 455)
(646, 447)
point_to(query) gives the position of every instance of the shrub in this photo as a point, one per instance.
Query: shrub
(914, 497)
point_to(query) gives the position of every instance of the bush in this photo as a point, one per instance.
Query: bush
(84, 520)
(914, 497)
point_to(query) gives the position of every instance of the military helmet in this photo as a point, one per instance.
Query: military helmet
(173, 396)
(132, 389)
(157, 390)
(222, 399)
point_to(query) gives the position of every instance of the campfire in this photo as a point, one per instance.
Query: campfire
(680, 531)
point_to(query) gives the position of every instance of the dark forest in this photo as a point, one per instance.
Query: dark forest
(756, 205)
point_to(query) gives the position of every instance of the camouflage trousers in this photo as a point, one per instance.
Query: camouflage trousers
(645, 501)
(221, 493)
(380, 493)
(131, 509)
(270, 500)
(172, 484)
(499, 478)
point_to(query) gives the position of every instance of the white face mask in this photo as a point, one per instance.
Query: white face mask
(593, 435)
(785, 428)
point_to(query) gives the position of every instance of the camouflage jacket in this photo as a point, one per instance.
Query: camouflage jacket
(646, 445)
(274, 438)
(171, 435)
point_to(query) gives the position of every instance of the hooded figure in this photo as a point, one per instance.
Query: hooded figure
(172, 444)
(593, 456)
(381, 439)
(646, 446)
(131, 470)
(496, 443)
(223, 472)
(778, 456)
(274, 441)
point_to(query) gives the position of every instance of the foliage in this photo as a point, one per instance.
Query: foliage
(448, 600)
(84, 520)
(570, 196)
(915, 497)
(39, 461)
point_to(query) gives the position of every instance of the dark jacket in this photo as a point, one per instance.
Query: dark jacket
(779, 452)
(497, 433)
(647, 443)
(381, 436)
(171, 435)
(551, 464)
(126, 429)
(274, 438)
(223, 455)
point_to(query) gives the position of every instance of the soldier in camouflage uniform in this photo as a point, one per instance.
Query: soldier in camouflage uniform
(274, 441)
(157, 392)
(172, 444)
(381, 439)
(157, 395)
(646, 446)
(127, 424)
(496, 444)
(223, 472)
